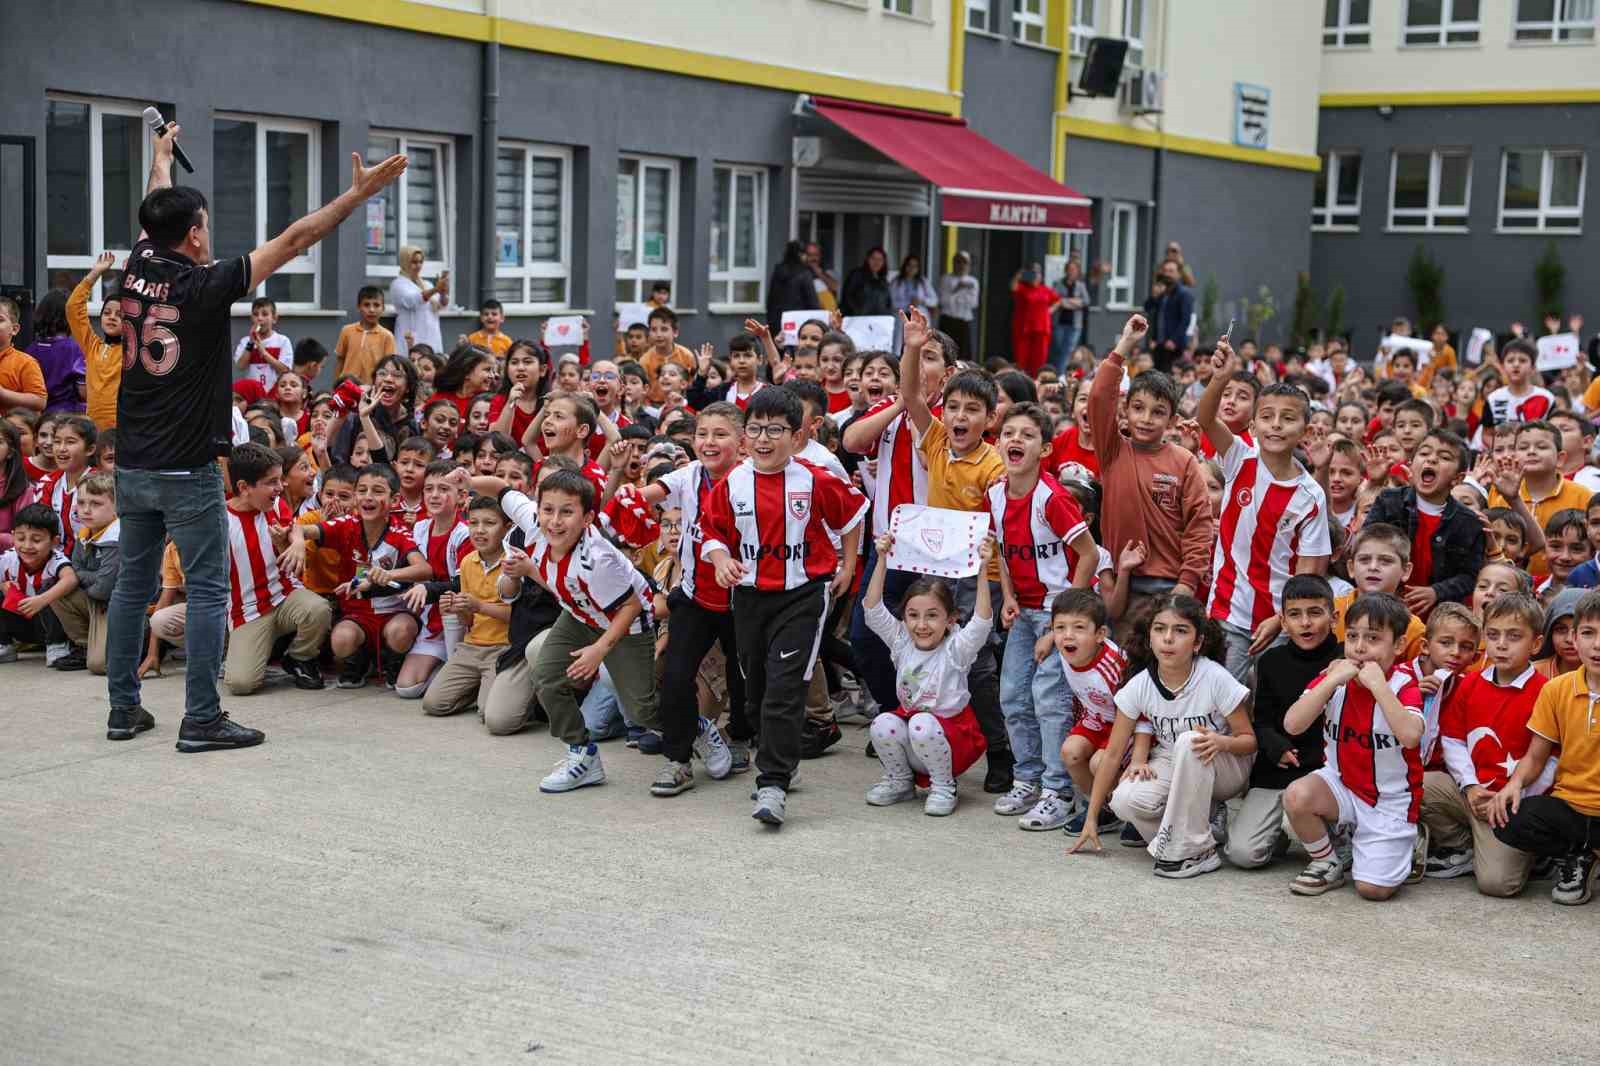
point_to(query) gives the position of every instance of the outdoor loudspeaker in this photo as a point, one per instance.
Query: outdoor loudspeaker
(1102, 66)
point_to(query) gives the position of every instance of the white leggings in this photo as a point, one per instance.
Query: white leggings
(912, 747)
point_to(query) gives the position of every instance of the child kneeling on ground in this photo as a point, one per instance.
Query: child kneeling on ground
(1204, 740)
(34, 576)
(933, 736)
(1372, 781)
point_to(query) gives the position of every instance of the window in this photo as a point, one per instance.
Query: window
(1336, 203)
(1541, 190)
(1082, 29)
(738, 235)
(647, 224)
(1346, 23)
(1027, 21)
(419, 209)
(900, 7)
(97, 158)
(978, 15)
(1554, 20)
(1437, 22)
(1133, 30)
(269, 168)
(1428, 190)
(1124, 255)
(533, 226)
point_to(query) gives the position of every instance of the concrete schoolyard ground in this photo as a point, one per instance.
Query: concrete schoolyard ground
(371, 886)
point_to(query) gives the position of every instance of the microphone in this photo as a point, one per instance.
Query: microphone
(159, 125)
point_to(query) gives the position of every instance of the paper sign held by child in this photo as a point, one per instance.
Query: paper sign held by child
(1557, 352)
(871, 333)
(563, 331)
(933, 540)
(793, 320)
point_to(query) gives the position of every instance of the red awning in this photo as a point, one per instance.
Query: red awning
(980, 184)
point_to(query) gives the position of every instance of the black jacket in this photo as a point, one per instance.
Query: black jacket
(792, 288)
(865, 293)
(532, 612)
(1458, 546)
(1283, 674)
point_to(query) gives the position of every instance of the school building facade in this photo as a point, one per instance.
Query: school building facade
(565, 157)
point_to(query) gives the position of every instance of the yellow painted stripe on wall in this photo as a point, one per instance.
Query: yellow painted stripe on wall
(1462, 98)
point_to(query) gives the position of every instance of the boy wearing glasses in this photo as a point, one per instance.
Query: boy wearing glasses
(767, 529)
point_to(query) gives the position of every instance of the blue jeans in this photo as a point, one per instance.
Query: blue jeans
(602, 710)
(1036, 703)
(188, 506)
(1062, 340)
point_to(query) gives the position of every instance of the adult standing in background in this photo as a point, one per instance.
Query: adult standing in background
(958, 304)
(1068, 327)
(866, 288)
(910, 288)
(1173, 310)
(1032, 302)
(1175, 253)
(826, 284)
(416, 303)
(174, 414)
(792, 286)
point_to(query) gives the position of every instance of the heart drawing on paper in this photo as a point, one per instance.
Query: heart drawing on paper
(934, 539)
(563, 329)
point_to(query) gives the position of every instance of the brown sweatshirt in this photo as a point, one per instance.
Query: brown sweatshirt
(1157, 495)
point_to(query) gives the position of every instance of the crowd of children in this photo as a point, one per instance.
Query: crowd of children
(1271, 600)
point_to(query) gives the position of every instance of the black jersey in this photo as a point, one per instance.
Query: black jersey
(174, 407)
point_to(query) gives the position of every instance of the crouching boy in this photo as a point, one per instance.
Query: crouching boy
(96, 559)
(264, 603)
(34, 576)
(468, 674)
(1372, 781)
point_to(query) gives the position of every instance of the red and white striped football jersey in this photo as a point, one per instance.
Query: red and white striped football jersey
(688, 488)
(779, 524)
(1530, 408)
(30, 582)
(593, 581)
(348, 536)
(1095, 686)
(405, 513)
(1265, 527)
(444, 549)
(741, 402)
(255, 584)
(902, 475)
(57, 493)
(1365, 753)
(591, 470)
(1034, 532)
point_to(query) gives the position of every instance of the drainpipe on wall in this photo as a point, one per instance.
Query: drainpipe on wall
(489, 136)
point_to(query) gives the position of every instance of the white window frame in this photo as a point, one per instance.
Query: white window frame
(1122, 281)
(901, 8)
(1323, 214)
(530, 269)
(98, 108)
(1343, 28)
(311, 262)
(731, 274)
(1023, 20)
(446, 206)
(979, 8)
(1080, 32)
(1558, 30)
(1544, 212)
(641, 276)
(1437, 218)
(1447, 25)
(1135, 34)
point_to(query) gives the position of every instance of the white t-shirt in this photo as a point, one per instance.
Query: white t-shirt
(818, 455)
(280, 347)
(936, 680)
(1206, 699)
(1588, 476)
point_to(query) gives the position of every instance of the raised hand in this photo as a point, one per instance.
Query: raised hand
(366, 181)
(1132, 557)
(102, 263)
(1134, 330)
(915, 327)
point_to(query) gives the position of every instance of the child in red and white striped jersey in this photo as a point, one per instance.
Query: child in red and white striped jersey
(444, 541)
(33, 575)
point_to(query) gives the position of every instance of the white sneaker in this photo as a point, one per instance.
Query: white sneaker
(713, 750)
(1047, 814)
(1021, 798)
(1322, 875)
(888, 792)
(769, 806)
(942, 800)
(52, 652)
(580, 767)
(672, 779)
(8, 653)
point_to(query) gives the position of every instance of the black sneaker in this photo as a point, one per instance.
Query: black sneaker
(815, 739)
(390, 662)
(997, 780)
(353, 674)
(1575, 880)
(124, 722)
(216, 735)
(304, 673)
(76, 659)
(1545, 868)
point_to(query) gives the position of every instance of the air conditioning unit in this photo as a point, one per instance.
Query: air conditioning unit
(1142, 92)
